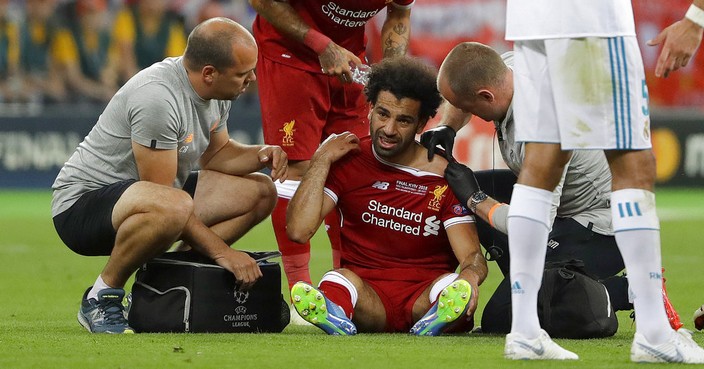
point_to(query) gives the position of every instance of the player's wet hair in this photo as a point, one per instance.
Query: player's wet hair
(471, 66)
(211, 42)
(405, 77)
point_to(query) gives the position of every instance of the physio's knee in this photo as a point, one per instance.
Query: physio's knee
(173, 208)
(266, 193)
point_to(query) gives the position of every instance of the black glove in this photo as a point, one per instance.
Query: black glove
(441, 135)
(462, 181)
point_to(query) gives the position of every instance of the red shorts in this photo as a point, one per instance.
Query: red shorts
(398, 290)
(398, 298)
(300, 109)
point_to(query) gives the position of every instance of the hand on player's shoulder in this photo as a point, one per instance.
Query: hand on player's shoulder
(437, 165)
(336, 146)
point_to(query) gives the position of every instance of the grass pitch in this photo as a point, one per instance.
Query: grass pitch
(41, 283)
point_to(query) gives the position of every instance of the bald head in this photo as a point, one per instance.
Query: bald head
(212, 41)
(471, 66)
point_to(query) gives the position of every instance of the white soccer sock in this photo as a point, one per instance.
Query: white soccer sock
(98, 286)
(528, 228)
(439, 285)
(287, 188)
(338, 278)
(637, 231)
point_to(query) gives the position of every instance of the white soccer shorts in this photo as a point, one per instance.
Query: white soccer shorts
(585, 93)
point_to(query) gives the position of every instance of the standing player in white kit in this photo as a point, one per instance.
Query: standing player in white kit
(579, 84)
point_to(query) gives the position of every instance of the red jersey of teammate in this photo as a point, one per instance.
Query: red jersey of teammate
(341, 20)
(394, 217)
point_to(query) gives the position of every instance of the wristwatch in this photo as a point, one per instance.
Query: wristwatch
(475, 199)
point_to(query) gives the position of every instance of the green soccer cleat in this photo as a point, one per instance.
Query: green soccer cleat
(452, 303)
(316, 309)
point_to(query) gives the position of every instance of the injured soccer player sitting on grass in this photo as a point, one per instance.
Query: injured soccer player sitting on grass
(410, 256)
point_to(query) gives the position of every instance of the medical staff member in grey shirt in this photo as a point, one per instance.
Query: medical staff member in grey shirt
(159, 167)
(581, 214)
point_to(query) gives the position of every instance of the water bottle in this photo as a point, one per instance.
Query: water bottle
(360, 73)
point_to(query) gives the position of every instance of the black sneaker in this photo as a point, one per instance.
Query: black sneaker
(106, 314)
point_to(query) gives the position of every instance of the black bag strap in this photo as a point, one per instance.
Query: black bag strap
(546, 291)
(192, 258)
(553, 270)
(574, 265)
(263, 256)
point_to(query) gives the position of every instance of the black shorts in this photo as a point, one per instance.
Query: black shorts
(86, 227)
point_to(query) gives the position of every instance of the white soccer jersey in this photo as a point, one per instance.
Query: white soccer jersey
(546, 19)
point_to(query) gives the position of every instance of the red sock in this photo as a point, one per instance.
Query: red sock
(338, 294)
(332, 225)
(295, 256)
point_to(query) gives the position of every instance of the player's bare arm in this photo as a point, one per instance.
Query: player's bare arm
(396, 31)
(282, 16)
(228, 156)
(334, 59)
(679, 41)
(465, 244)
(309, 204)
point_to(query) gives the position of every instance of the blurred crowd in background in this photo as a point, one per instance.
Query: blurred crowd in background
(82, 51)
(54, 51)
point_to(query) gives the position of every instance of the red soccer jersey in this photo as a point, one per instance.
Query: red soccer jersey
(342, 21)
(394, 217)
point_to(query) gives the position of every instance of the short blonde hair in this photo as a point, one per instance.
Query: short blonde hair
(471, 66)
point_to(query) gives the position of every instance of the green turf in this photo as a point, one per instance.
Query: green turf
(41, 283)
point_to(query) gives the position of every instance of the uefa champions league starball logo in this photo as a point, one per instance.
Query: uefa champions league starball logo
(241, 296)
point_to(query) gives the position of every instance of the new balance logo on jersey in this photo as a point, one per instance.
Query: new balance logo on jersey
(517, 289)
(553, 244)
(432, 226)
(628, 209)
(379, 185)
